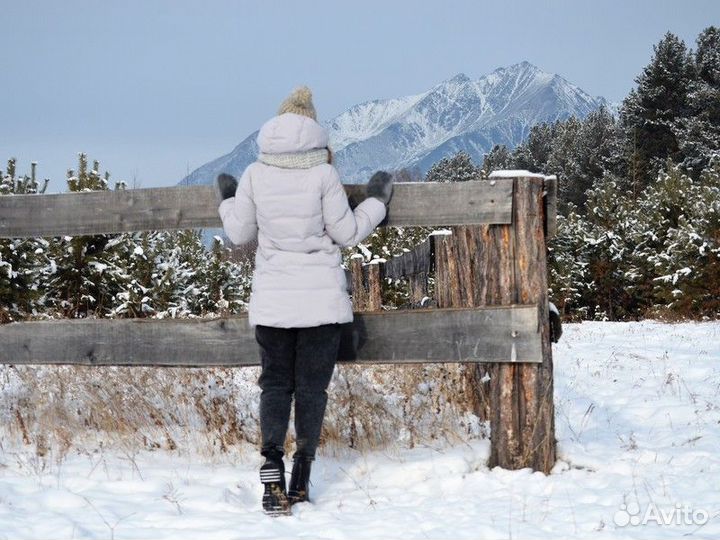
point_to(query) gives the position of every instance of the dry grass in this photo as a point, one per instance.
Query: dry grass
(55, 409)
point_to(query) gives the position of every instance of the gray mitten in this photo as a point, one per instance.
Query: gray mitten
(380, 186)
(225, 186)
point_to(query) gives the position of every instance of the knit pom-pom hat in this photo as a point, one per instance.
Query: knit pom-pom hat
(299, 102)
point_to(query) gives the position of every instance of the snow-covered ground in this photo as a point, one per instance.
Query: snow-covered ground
(638, 424)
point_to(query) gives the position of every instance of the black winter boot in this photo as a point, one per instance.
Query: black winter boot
(272, 475)
(299, 490)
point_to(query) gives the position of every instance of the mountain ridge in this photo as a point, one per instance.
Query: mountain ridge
(459, 113)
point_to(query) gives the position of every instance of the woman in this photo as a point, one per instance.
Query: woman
(291, 199)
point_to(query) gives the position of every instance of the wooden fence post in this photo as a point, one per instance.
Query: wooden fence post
(374, 284)
(366, 284)
(499, 265)
(418, 287)
(452, 287)
(523, 415)
(358, 287)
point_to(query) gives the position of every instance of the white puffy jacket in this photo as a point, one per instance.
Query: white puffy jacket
(301, 218)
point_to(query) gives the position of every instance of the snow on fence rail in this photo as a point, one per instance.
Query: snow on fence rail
(490, 290)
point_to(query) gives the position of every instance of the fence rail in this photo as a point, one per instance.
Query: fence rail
(96, 212)
(493, 334)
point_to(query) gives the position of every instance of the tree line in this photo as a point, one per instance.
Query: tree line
(639, 191)
(638, 227)
(141, 274)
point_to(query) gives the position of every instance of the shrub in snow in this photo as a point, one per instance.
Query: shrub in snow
(24, 262)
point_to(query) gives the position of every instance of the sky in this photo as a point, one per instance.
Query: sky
(156, 88)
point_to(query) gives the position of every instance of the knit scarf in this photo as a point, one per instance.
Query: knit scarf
(296, 160)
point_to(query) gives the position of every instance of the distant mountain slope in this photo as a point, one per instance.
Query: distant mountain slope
(416, 131)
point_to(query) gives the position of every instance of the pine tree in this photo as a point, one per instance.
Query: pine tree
(568, 259)
(143, 288)
(596, 146)
(222, 282)
(699, 134)
(563, 161)
(171, 274)
(684, 215)
(651, 113)
(24, 262)
(458, 168)
(191, 258)
(174, 262)
(579, 152)
(533, 154)
(615, 282)
(85, 282)
(498, 159)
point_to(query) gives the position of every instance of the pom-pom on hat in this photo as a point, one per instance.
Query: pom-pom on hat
(299, 102)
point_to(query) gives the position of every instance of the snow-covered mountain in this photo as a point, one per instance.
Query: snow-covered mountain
(416, 131)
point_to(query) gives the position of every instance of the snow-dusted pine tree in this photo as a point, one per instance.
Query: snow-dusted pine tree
(563, 161)
(498, 159)
(613, 280)
(223, 282)
(171, 274)
(568, 259)
(685, 255)
(699, 134)
(86, 280)
(533, 154)
(24, 263)
(147, 286)
(457, 168)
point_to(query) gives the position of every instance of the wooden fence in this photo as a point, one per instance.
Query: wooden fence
(490, 291)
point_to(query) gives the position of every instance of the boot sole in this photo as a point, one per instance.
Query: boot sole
(277, 512)
(275, 501)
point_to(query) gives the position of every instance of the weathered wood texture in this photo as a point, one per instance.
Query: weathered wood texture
(358, 287)
(418, 287)
(415, 265)
(95, 212)
(366, 285)
(419, 260)
(422, 335)
(498, 265)
(551, 200)
(525, 417)
(374, 286)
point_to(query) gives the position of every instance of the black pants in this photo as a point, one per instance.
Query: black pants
(299, 362)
